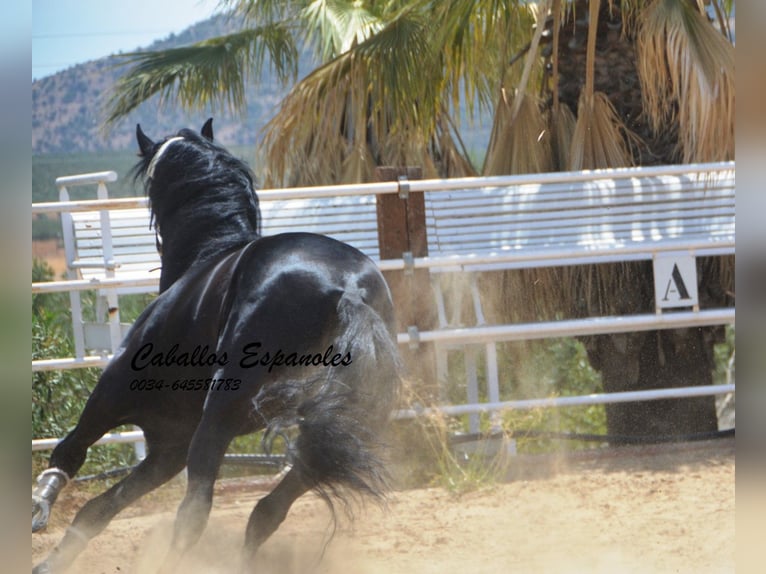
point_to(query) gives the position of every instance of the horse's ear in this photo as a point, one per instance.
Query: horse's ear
(207, 129)
(144, 143)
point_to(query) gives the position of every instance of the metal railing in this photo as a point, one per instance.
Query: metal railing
(469, 335)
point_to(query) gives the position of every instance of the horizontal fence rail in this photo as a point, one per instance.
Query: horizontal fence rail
(394, 187)
(502, 333)
(457, 410)
(488, 259)
(451, 262)
(580, 400)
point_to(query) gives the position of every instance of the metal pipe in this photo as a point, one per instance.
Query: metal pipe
(92, 284)
(568, 176)
(456, 410)
(514, 332)
(574, 327)
(110, 438)
(392, 187)
(86, 179)
(65, 364)
(594, 399)
(455, 263)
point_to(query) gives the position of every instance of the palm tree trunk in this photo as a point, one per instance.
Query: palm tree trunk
(655, 359)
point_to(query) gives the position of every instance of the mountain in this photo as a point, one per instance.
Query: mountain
(68, 107)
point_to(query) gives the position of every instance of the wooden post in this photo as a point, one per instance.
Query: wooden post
(402, 229)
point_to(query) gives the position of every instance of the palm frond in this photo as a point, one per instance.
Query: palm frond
(346, 115)
(336, 25)
(597, 140)
(519, 144)
(542, 11)
(263, 12)
(477, 39)
(562, 126)
(686, 69)
(209, 72)
(449, 148)
(561, 120)
(600, 138)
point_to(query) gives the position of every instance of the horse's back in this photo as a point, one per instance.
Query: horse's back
(315, 264)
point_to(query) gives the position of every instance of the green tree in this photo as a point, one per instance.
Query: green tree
(593, 84)
(58, 396)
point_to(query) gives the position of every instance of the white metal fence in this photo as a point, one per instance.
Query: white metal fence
(709, 239)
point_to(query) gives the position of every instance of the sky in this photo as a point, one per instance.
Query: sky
(68, 32)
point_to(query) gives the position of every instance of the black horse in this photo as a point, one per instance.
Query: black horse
(248, 333)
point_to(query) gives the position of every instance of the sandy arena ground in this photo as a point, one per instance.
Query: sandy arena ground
(628, 510)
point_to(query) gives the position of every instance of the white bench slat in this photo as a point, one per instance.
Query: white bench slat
(560, 208)
(703, 218)
(518, 196)
(606, 220)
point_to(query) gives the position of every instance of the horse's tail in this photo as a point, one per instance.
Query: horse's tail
(341, 422)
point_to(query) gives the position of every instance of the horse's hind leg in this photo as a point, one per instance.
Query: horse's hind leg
(163, 462)
(206, 451)
(270, 511)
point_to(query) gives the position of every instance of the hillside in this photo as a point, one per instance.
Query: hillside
(68, 107)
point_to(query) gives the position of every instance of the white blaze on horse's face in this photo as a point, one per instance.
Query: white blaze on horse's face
(158, 155)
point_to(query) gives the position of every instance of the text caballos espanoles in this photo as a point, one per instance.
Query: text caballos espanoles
(251, 356)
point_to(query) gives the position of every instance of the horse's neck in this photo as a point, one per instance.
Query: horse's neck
(192, 248)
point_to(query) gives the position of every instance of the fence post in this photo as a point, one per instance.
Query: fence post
(402, 233)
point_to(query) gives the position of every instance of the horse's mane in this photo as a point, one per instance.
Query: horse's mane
(202, 199)
(197, 165)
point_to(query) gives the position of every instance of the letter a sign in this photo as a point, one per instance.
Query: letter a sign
(675, 281)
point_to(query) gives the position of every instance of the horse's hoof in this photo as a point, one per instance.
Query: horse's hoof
(42, 568)
(41, 511)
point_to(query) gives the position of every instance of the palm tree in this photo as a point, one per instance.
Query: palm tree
(374, 99)
(633, 83)
(603, 84)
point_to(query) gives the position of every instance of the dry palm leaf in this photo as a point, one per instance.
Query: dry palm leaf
(519, 145)
(686, 69)
(600, 138)
(562, 126)
(562, 120)
(519, 142)
(353, 112)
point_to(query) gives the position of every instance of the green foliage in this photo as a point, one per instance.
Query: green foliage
(558, 367)
(46, 168)
(724, 359)
(59, 396)
(46, 227)
(561, 369)
(213, 71)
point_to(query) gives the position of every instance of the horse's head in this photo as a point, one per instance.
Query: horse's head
(150, 152)
(202, 198)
